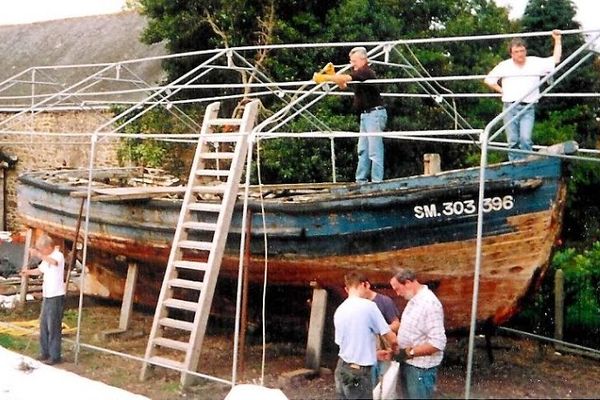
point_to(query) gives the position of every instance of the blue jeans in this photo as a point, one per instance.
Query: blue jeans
(51, 327)
(370, 148)
(418, 383)
(518, 132)
(378, 371)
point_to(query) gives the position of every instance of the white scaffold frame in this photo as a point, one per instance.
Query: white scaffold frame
(299, 96)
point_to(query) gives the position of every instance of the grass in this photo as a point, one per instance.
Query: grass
(18, 344)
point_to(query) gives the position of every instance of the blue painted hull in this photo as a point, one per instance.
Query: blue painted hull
(424, 222)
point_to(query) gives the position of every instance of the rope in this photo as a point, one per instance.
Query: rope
(266, 263)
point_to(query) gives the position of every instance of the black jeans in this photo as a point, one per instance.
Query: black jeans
(352, 383)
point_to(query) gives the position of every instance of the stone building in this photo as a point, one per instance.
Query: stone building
(45, 130)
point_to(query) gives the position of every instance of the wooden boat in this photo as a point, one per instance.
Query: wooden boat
(320, 232)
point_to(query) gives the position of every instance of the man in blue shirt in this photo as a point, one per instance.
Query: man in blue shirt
(357, 320)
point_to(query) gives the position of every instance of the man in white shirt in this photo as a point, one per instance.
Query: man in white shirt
(421, 337)
(357, 320)
(519, 79)
(52, 267)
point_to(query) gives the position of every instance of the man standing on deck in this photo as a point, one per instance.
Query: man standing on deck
(519, 75)
(357, 321)
(373, 115)
(421, 337)
(52, 267)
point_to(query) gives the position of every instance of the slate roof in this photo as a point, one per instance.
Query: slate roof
(95, 39)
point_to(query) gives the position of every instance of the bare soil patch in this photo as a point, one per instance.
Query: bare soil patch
(522, 368)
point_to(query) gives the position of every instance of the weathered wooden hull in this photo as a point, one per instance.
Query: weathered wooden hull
(427, 223)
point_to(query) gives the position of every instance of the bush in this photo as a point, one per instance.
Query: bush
(582, 298)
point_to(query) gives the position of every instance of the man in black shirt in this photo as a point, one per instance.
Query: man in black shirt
(373, 116)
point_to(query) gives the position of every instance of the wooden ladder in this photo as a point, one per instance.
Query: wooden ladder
(176, 338)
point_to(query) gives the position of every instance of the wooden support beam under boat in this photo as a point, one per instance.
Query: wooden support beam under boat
(316, 328)
(126, 305)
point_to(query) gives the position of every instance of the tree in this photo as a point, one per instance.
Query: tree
(188, 25)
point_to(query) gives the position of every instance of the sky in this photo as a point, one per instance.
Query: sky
(588, 11)
(27, 11)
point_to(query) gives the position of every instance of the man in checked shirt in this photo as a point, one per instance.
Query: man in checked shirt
(421, 337)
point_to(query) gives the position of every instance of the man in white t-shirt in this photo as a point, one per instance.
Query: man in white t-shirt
(52, 267)
(517, 79)
(357, 320)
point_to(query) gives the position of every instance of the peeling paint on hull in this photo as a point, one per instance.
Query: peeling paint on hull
(425, 223)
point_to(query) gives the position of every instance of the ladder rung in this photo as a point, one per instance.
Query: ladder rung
(213, 189)
(200, 226)
(212, 172)
(217, 155)
(196, 245)
(165, 362)
(186, 284)
(195, 265)
(177, 324)
(225, 121)
(181, 304)
(171, 344)
(207, 207)
(232, 137)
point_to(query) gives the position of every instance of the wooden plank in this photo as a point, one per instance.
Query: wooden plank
(25, 279)
(127, 305)
(316, 328)
(130, 193)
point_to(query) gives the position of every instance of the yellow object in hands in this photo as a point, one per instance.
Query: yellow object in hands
(329, 69)
(322, 78)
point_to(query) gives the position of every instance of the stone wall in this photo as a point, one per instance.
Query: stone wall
(40, 142)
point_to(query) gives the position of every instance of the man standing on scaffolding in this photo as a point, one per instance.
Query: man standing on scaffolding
(520, 79)
(373, 115)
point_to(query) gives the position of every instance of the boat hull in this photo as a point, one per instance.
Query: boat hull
(427, 223)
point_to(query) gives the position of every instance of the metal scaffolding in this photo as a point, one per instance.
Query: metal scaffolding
(110, 85)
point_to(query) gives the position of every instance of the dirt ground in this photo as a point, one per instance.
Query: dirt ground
(521, 369)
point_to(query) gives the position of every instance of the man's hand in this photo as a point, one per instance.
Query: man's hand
(402, 355)
(556, 34)
(384, 355)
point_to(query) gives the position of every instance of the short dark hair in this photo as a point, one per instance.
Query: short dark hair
(354, 278)
(516, 42)
(405, 274)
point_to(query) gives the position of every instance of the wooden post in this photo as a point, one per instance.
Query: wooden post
(127, 305)
(24, 279)
(316, 328)
(431, 163)
(559, 304)
(73, 258)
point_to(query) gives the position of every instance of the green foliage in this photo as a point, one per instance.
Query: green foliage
(195, 25)
(157, 153)
(582, 298)
(13, 343)
(309, 160)
(582, 286)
